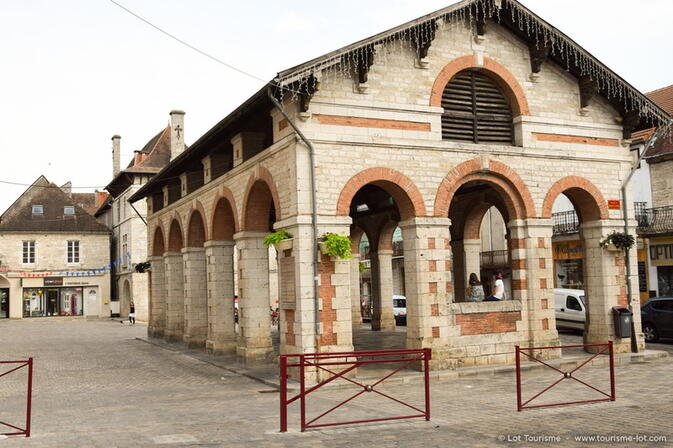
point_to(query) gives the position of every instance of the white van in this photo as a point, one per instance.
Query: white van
(400, 309)
(570, 307)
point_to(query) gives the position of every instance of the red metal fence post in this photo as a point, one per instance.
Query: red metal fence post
(302, 392)
(613, 396)
(29, 397)
(283, 394)
(518, 377)
(426, 370)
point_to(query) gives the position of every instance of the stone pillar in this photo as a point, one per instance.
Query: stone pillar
(382, 285)
(221, 336)
(472, 250)
(604, 284)
(532, 282)
(157, 322)
(427, 263)
(356, 309)
(254, 342)
(175, 308)
(196, 315)
(458, 271)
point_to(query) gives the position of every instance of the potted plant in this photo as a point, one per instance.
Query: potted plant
(336, 245)
(281, 240)
(618, 241)
(143, 267)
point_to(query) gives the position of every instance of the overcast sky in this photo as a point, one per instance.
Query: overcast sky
(73, 73)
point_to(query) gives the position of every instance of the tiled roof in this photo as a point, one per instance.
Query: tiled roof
(85, 200)
(664, 99)
(20, 218)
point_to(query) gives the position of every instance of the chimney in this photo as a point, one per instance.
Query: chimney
(115, 155)
(177, 133)
(101, 196)
(138, 157)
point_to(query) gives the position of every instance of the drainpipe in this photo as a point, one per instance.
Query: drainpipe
(625, 213)
(314, 214)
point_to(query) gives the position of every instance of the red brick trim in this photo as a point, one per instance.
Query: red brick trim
(543, 263)
(561, 138)
(158, 241)
(544, 304)
(252, 220)
(517, 243)
(503, 77)
(400, 187)
(487, 323)
(327, 294)
(224, 219)
(289, 322)
(197, 233)
(518, 264)
(434, 309)
(175, 238)
(507, 182)
(377, 123)
(519, 284)
(545, 324)
(435, 332)
(586, 197)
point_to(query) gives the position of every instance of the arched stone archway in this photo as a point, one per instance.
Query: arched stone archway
(174, 283)
(158, 245)
(157, 281)
(195, 291)
(503, 77)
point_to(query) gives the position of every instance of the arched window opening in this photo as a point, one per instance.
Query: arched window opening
(476, 110)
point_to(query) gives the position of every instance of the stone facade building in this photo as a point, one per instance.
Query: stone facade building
(129, 228)
(424, 127)
(53, 255)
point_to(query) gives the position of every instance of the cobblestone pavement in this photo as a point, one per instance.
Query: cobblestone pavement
(98, 386)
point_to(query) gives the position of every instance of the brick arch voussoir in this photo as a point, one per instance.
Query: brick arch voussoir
(228, 196)
(503, 77)
(380, 176)
(265, 176)
(574, 182)
(509, 183)
(158, 228)
(198, 208)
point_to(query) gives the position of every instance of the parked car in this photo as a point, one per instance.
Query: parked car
(570, 307)
(657, 318)
(400, 309)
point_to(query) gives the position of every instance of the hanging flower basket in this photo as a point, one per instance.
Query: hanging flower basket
(272, 239)
(284, 245)
(336, 246)
(617, 241)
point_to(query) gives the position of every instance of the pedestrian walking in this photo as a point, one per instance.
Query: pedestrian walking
(132, 313)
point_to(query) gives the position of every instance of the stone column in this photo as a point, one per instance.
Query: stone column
(427, 263)
(196, 316)
(157, 323)
(221, 336)
(356, 309)
(472, 249)
(532, 281)
(175, 308)
(254, 342)
(382, 285)
(458, 273)
(604, 285)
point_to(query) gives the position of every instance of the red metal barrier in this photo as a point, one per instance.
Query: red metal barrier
(351, 360)
(569, 375)
(29, 398)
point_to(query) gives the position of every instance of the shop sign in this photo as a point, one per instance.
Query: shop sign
(567, 250)
(69, 282)
(53, 281)
(661, 251)
(614, 204)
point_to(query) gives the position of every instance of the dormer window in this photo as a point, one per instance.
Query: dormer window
(68, 210)
(38, 209)
(476, 110)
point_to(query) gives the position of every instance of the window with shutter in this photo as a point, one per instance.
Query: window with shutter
(476, 110)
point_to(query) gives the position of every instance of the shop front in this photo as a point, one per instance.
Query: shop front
(568, 264)
(661, 258)
(56, 296)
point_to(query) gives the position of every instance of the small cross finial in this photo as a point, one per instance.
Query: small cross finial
(178, 130)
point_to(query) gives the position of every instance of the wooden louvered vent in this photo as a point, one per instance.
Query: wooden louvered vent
(475, 110)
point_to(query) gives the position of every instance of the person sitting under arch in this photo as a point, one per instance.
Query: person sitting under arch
(475, 290)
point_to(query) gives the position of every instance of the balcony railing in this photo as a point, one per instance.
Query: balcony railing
(655, 220)
(495, 259)
(566, 222)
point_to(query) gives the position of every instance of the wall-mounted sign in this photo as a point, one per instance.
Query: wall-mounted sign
(614, 204)
(53, 281)
(661, 251)
(567, 250)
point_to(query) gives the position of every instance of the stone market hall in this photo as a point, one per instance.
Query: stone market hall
(425, 127)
